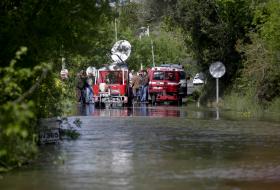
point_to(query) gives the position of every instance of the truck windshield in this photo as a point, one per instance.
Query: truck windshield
(182, 75)
(169, 75)
(158, 75)
(111, 77)
(164, 75)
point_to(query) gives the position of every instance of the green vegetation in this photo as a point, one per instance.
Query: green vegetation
(17, 133)
(244, 35)
(34, 36)
(257, 84)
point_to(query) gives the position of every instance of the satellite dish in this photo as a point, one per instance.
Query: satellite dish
(91, 71)
(120, 51)
(217, 69)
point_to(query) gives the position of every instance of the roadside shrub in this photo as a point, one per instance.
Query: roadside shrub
(17, 135)
(245, 103)
(274, 106)
(20, 106)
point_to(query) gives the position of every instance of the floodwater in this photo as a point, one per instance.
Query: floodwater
(161, 147)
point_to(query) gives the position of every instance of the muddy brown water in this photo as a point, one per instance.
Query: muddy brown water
(162, 147)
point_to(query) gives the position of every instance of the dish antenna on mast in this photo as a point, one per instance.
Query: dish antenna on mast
(120, 51)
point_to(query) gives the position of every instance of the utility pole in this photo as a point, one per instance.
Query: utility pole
(116, 30)
(146, 32)
(152, 45)
(153, 55)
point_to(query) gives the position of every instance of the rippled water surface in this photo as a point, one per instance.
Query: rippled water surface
(161, 147)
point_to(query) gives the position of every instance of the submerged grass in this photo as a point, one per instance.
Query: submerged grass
(248, 105)
(274, 106)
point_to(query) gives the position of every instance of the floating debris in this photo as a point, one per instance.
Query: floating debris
(52, 130)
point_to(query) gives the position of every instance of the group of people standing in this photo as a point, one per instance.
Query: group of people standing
(84, 87)
(139, 81)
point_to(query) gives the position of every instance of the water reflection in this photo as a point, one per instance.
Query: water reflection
(89, 109)
(142, 109)
(146, 110)
(86, 109)
(162, 153)
(217, 113)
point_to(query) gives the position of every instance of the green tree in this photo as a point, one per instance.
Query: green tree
(30, 84)
(168, 44)
(261, 55)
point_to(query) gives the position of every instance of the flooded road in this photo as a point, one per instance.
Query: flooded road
(162, 147)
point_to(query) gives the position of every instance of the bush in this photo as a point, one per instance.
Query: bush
(17, 134)
(274, 106)
(19, 112)
(245, 103)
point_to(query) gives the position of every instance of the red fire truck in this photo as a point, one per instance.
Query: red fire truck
(111, 87)
(167, 83)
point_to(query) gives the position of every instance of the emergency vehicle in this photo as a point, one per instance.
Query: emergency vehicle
(167, 83)
(111, 87)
